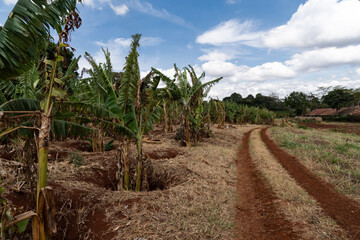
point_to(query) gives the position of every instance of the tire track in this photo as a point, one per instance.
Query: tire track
(256, 214)
(345, 211)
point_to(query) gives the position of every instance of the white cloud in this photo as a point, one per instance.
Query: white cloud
(216, 55)
(10, 2)
(90, 3)
(137, 5)
(318, 23)
(314, 60)
(321, 35)
(267, 71)
(121, 10)
(147, 8)
(231, 31)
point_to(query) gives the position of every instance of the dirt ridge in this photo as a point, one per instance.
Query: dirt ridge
(256, 214)
(345, 211)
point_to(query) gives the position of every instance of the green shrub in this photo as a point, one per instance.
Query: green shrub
(76, 158)
(109, 145)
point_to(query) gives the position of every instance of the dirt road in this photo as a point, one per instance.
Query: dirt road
(258, 216)
(256, 213)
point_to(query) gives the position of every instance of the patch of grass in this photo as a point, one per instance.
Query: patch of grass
(332, 155)
(76, 158)
(288, 144)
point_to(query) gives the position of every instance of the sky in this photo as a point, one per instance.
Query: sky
(257, 46)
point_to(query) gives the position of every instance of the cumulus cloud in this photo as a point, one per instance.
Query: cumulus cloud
(315, 24)
(121, 10)
(321, 34)
(216, 55)
(318, 23)
(314, 60)
(266, 71)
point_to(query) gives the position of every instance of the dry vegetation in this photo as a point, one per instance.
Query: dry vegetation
(192, 190)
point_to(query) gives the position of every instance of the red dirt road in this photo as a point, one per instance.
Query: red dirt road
(342, 209)
(256, 214)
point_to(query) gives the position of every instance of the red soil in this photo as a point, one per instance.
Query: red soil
(256, 214)
(342, 209)
(163, 153)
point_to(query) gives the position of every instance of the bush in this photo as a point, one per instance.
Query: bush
(347, 118)
(76, 158)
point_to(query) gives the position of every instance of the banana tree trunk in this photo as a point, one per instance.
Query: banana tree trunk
(139, 165)
(126, 165)
(166, 127)
(44, 134)
(100, 138)
(187, 131)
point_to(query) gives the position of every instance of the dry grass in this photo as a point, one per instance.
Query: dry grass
(332, 155)
(201, 207)
(294, 202)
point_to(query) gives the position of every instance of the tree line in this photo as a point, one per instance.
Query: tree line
(300, 103)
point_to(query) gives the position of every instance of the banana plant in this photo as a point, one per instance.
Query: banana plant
(141, 119)
(191, 94)
(22, 39)
(26, 31)
(131, 104)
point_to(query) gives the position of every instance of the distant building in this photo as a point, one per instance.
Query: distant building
(332, 112)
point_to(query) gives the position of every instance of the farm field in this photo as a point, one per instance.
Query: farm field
(237, 184)
(151, 120)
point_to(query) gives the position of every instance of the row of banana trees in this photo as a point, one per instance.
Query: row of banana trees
(40, 101)
(241, 114)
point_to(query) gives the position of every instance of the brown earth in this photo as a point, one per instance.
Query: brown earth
(192, 193)
(256, 213)
(345, 211)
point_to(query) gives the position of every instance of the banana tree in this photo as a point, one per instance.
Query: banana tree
(190, 94)
(26, 31)
(22, 38)
(141, 119)
(137, 101)
(131, 102)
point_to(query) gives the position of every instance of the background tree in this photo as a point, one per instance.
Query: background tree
(235, 97)
(297, 101)
(356, 94)
(338, 98)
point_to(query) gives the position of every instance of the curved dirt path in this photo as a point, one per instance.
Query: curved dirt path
(342, 209)
(256, 214)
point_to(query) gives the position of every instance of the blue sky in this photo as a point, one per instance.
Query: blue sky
(276, 46)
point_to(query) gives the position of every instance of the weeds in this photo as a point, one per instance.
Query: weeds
(76, 158)
(288, 144)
